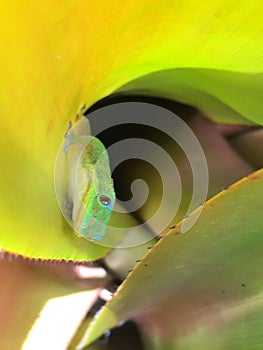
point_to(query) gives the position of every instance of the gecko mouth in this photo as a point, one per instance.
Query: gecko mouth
(94, 229)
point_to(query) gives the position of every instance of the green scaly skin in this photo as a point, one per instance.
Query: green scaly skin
(90, 186)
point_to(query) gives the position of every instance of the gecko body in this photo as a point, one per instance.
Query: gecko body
(90, 192)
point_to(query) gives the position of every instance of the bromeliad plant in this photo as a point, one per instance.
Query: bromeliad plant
(197, 290)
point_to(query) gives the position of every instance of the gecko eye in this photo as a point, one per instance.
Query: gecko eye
(104, 200)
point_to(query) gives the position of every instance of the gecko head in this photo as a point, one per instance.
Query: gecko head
(94, 222)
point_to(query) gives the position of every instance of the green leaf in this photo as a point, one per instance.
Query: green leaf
(213, 50)
(226, 97)
(204, 283)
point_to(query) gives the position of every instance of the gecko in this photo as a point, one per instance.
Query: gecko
(90, 190)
